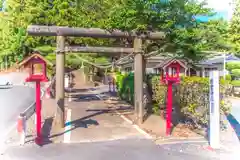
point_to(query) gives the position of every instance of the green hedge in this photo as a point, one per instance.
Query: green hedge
(232, 65)
(235, 72)
(236, 83)
(125, 86)
(192, 96)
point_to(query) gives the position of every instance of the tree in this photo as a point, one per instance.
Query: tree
(234, 68)
(175, 17)
(234, 30)
(213, 35)
(56, 12)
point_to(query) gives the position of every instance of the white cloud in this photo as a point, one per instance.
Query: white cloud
(220, 5)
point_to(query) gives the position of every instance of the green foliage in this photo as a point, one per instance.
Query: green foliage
(174, 16)
(232, 65)
(234, 28)
(234, 68)
(213, 35)
(228, 77)
(236, 83)
(1, 5)
(159, 92)
(125, 86)
(193, 97)
(236, 72)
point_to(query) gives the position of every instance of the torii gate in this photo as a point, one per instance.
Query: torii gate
(62, 32)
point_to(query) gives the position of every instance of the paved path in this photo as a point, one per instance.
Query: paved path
(139, 149)
(93, 119)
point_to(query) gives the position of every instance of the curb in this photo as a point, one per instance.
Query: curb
(238, 98)
(180, 141)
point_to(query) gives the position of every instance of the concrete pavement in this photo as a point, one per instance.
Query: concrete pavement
(91, 119)
(128, 149)
(13, 101)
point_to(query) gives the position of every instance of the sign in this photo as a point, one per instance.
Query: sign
(214, 109)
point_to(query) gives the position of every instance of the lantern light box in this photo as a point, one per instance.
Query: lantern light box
(172, 73)
(38, 70)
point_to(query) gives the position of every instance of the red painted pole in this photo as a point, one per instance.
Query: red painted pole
(38, 112)
(169, 110)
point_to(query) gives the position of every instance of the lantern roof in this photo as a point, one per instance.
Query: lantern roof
(170, 61)
(34, 55)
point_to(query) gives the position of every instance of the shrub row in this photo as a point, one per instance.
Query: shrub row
(191, 96)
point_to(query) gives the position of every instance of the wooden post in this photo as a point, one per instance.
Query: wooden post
(138, 80)
(144, 68)
(60, 66)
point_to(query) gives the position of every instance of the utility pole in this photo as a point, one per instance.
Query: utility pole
(138, 80)
(60, 71)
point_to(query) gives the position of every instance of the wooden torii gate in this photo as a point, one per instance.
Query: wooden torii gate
(61, 32)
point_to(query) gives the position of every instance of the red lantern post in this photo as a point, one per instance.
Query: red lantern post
(170, 77)
(37, 74)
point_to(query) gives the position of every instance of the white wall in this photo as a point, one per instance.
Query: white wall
(219, 68)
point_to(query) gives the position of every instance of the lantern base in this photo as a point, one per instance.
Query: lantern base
(35, 78)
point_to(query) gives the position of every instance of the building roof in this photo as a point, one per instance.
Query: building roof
(220, 59)
(34, 55)
(169, 61)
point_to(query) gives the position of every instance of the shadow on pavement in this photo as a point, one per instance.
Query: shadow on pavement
(235, 124)
(84, 122)
(121, 108)
(46, 132)
(86, 97)
(82, 90)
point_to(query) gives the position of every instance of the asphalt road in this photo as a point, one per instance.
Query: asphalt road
(12, 102)
(129, 149)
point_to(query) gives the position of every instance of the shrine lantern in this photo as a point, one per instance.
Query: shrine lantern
(37, 73)
(170, 76)
(38, 70)
(171, 73)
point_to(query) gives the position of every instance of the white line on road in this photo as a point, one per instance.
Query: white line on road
(148, 136)
(68, 127)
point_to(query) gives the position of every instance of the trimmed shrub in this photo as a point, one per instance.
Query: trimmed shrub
(236, 83)
(192, 96)
(125, 86)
